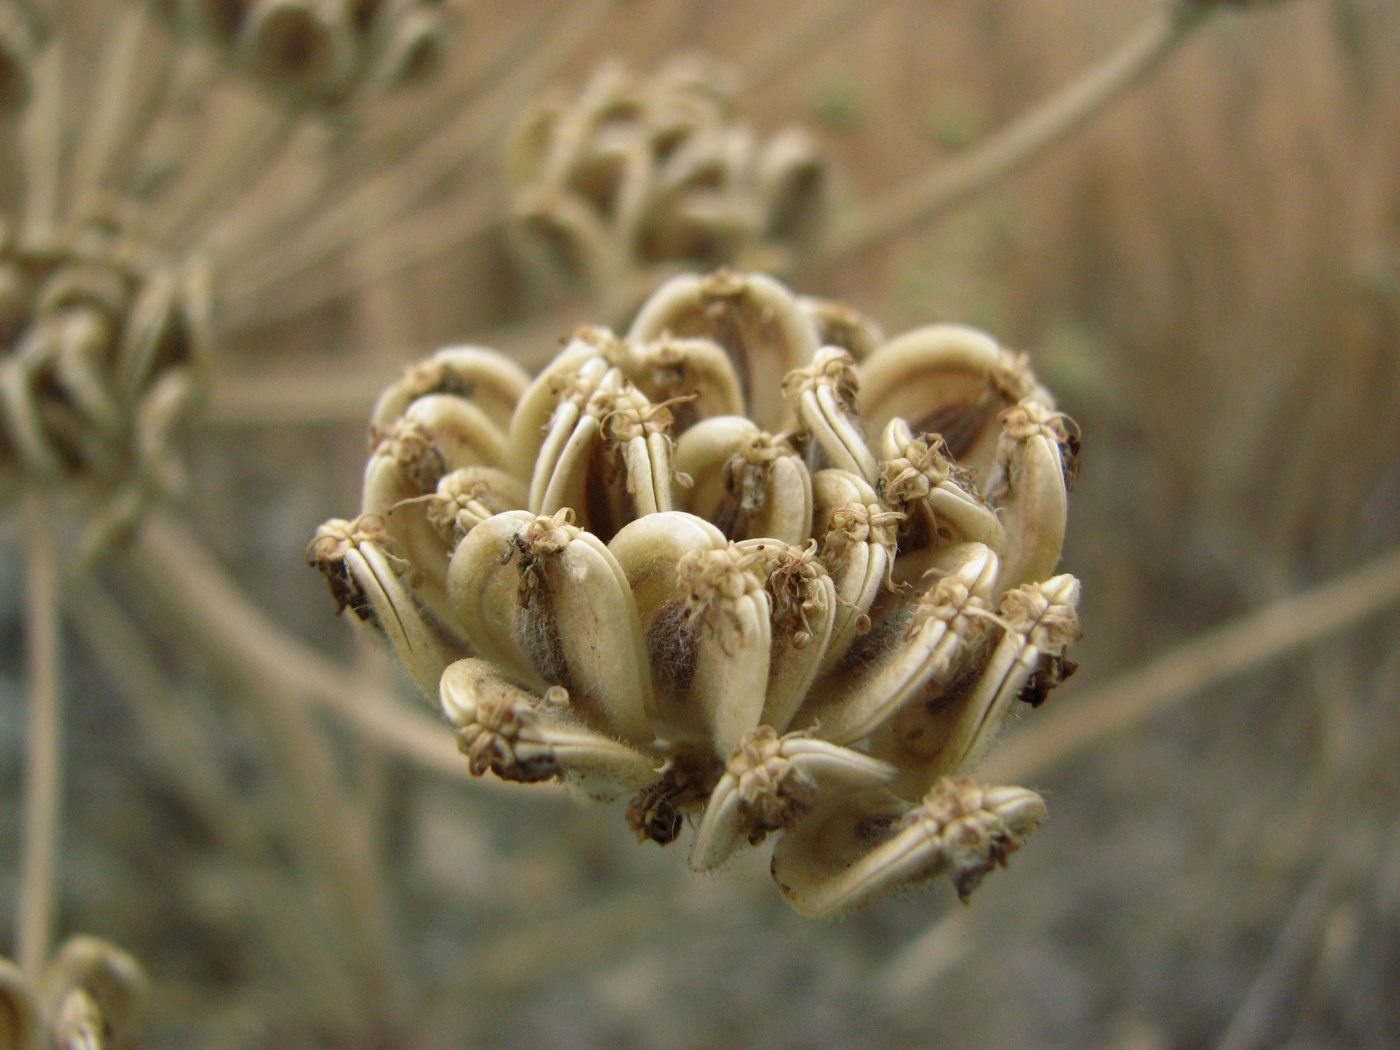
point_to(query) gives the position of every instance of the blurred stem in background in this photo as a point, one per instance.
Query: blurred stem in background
(43, 741)
(1255, 638)
(925, 198)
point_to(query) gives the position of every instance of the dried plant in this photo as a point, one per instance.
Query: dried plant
(627, 180)
(291, 846)
(674, 565)
(104, 355)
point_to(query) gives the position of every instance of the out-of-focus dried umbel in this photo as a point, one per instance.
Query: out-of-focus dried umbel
(91, 995)
(723, 567)
(319, 52)
(102, 358)
(633, 179)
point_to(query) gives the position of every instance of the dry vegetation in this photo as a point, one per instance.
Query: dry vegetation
(1209, 277)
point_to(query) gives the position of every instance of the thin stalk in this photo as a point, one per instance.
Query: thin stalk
(144, 105)
(331, 845)
(441, 230)
(925, 198)
(114, 105)
(241, 164)
(1210, 657)
(41, 138)
(44, 755)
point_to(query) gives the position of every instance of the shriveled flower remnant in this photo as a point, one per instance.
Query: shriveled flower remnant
(103, 354)
(752, 565)
(630, 180)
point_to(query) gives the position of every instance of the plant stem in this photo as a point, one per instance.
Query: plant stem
(190, 759)
(332, 847)
(927, 197)
(44, 760)
(1218, 653)
(41, 150)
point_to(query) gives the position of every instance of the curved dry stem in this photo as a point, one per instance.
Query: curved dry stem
(1211, 656)
(43, 745)
(925, 198)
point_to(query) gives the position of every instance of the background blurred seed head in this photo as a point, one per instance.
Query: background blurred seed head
(628, 179)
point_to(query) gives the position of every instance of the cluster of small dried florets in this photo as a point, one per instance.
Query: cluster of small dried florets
(320, 52)
(102, 357)
(91, 995)
(630, 180)
(751, 564)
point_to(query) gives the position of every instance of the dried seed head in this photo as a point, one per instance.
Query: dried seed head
(826, 630)
(770, 789)
(630, 176)
(794, 577)
(103, 357)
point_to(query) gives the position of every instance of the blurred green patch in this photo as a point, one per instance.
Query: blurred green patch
(839, 105)
(953, 120)
(1070, 360)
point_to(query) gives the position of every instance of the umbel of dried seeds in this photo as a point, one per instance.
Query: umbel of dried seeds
(630, 180)
(752, 564)
(103, 354)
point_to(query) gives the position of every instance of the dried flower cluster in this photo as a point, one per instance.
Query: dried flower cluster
(725, 567)
(102, 357)
(319, 51)
(91, 995)
(630, 180)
